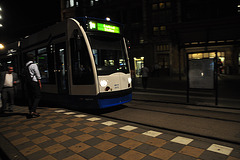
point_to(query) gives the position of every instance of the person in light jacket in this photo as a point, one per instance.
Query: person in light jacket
(8, 82)
(33, 86)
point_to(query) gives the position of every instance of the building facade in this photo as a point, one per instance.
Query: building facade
(162, 32)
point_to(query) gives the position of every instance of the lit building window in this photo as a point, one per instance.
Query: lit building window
(67, 4)
(162, 47)
(154, 7)
(168, 4)
(163, 28)
(238, 58)
(71, 3)
(91, 2)
(161, 5)
(155, 29)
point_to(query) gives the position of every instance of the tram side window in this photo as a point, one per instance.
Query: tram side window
(82, 73)
(45, 61)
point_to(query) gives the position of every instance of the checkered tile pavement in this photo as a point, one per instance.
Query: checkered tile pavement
(68, 135)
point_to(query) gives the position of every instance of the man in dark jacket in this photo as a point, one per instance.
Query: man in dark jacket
(8, 81)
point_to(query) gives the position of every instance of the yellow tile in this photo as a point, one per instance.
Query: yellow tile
(75, 157)
(49, 131)
(162, 154)
(88, 129)
(29, 133)
(20, 141)
(68, 130)
(191, 151)
(30, 150)
(108, 129)
(55, 125)
(84, 137)
(55, 148)
(22, 127)
(5, 129)
(129, 134)
(49, 157)
(131, 144)
(77, 148)
(104, 146)
(38, 126)
(60, 120)
(106, 136)
(103, 156)
(156, 142)
(132, 155)
(91, 123)
(73, 124)
(62, 138)
(76, 119)
(8, 135)
(40, 139)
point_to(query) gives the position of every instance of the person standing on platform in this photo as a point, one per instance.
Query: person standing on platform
(145, 72)
(33, 85)
(8, 82)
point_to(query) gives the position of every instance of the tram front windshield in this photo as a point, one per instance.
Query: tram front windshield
(109, 55)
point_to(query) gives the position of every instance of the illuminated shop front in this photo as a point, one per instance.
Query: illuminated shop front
(138, 65)
(227, 53)
(211, 55)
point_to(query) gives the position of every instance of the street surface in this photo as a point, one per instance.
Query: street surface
(137, 130)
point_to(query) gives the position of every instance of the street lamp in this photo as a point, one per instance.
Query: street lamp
(1, 46)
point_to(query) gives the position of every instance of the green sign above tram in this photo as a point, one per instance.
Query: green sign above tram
(96, 26)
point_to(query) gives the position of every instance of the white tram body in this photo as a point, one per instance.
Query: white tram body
(83, 62)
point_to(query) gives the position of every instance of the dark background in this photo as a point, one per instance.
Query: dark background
(23, 17)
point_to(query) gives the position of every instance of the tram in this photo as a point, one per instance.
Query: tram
(83, 62)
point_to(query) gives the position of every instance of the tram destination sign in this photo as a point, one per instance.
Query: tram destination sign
(104, 27)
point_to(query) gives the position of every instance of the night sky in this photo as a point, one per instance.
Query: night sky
(24, 17)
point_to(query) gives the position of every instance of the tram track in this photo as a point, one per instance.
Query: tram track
(174, 131)
(196, 109)
(191, 115)
(178, 120)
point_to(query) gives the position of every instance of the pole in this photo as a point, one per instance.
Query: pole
(187, 79)
(216, 79)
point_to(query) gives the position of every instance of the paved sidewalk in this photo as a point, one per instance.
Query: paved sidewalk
(68, 135)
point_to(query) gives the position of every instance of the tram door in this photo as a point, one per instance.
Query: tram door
(61, 68)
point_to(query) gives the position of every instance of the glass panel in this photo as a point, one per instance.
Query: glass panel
(82, 73)
(45, 62)
(109, 54)
(43, 67)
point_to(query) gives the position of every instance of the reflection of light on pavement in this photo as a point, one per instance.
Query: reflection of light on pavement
(202, 74)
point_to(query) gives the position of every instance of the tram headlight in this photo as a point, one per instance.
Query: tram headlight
(129, 80)
(103, 83)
